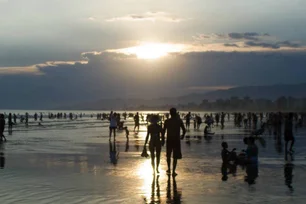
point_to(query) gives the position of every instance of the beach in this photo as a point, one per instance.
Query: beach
(68, 161)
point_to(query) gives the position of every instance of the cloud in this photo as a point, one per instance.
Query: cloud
(245, 36)
(230, 45)
(277, 45)
(92, 18)
(37, 68)
(261, 44)
(148, 16)
(232, 36)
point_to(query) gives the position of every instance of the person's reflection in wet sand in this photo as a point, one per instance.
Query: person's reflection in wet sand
(137, 145)
(252, 173)
(2, 156)
(279, 146)
(155, 194)
(173, 196)
(288, 174)
(113, 154)
(127, 146)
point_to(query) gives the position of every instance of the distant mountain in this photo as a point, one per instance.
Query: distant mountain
(254, 92)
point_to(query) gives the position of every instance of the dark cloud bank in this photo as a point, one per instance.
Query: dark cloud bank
(110, 75)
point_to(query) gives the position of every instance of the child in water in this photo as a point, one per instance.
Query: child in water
(127, 132)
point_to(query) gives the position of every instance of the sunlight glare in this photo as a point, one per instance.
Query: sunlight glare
(153, 50)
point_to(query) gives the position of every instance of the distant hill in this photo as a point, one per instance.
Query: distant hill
(254, 92)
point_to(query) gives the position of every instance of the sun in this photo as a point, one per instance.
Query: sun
(149, 50)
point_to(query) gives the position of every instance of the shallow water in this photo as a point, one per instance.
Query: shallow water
(69, 162)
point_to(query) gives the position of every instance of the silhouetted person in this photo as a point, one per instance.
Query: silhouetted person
(127, 132)
(136, 120)
(2, 127)
(207, 133)
(27, 118)
(10, 123)
(155, 143)
(188, 117)
(172, 126)
(252, 161)
(112, 125)
(15, 118)
(289, 133)
(2, 159)
(35, 116)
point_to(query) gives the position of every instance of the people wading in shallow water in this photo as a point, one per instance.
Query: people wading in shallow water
(112, 125)
(155, 143)
(173, 126)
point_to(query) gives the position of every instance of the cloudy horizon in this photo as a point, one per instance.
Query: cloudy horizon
(126, 48)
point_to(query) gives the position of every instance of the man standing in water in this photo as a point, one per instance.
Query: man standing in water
(136, 119)
(172, 127)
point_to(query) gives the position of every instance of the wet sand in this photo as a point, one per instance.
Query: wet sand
(69, 162)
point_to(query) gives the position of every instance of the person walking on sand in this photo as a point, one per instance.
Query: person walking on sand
(155, 143)
(172, 127)
(112, 125)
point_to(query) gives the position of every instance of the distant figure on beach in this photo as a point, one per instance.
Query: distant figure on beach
(10, 123)
(172, 126)
(2, 127)
(136, 120)
(27, 118)
(15, 118)
(288, 133)
(252, 161)
(155, 143)
(112, 125)
(188, 117)
(127, 132)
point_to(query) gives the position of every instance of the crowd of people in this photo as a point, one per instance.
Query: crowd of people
(168, 129)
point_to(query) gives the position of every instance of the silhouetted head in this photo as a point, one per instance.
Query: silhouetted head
(224, 145)
(154, 119)
(173, 112)
(251, 140)
(290, 116)
(1, 116)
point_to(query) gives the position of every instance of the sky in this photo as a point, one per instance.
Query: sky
(66, 51)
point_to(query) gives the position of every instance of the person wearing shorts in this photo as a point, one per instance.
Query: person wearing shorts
(173, 127)
(112, 125)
